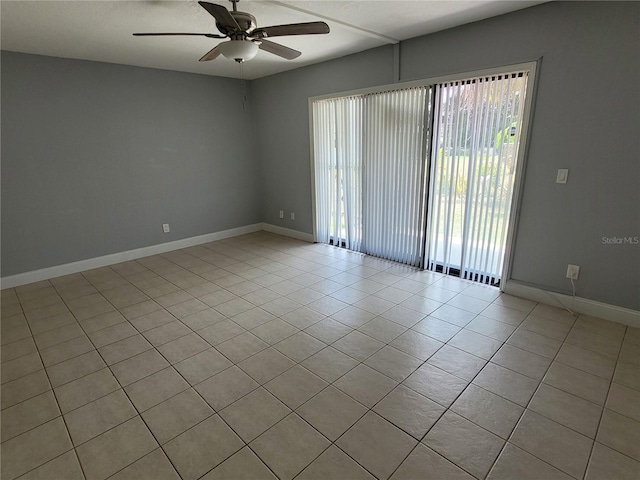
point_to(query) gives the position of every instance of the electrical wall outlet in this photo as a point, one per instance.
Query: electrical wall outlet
(281, 213)
(573, 271)
(165, 228)
(293, 216)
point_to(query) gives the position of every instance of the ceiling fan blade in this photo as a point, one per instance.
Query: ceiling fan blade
(309, 28)
(280, 50)
(209, 35)
(221, 14)
(211, 54)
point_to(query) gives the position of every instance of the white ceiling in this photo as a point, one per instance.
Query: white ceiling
(101, 30)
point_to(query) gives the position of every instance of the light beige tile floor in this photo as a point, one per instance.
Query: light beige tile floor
(262, 357)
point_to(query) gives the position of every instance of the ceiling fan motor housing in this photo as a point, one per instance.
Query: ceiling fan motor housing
(246, 22)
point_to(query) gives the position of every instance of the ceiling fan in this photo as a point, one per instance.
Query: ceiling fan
(245, 38)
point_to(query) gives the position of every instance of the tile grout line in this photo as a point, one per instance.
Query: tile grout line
(121, 423)
(371, 409)
(291, 412)
(161, 446)
(114, 342)
(190, 387)
(448, 408)
(506, 441)
(604, 407)
(526, 408)
(198, 393)
(53, 392)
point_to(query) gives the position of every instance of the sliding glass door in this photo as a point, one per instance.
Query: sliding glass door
(422, 175)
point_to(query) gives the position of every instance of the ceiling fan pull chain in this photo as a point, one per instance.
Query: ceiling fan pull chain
(244, 86)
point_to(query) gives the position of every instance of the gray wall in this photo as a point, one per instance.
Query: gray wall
(96, 157)
(586, 119)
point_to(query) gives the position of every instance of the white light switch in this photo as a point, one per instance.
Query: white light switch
(563, 174)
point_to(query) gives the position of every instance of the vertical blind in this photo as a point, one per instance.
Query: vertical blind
(477, 126)
(394, 175)
(369, 155)
(337, 125)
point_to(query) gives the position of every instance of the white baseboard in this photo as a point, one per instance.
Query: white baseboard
(88, 264)
(584, 306)
(287, 232)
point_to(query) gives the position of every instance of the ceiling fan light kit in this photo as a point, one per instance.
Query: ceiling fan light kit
(245, 38)
(239, 50)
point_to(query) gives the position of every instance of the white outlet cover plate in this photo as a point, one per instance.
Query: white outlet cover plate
(165, 228)
(573, 271)
(563, 175)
